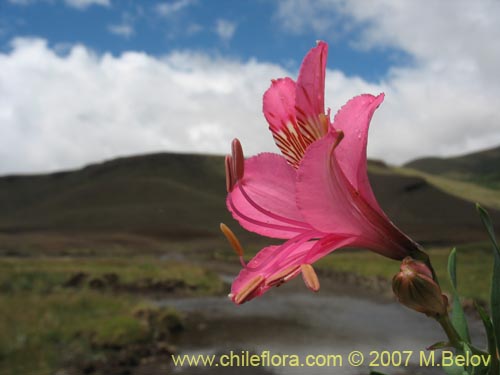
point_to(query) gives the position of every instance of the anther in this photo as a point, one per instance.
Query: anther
(238, 159)
(310, 277)
(233, 241)
(281, 277)
(324, 123)
(248, 289)
(340, 137)
(228, 163)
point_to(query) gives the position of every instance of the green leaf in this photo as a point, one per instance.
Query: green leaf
(457, 314)
(490, 334)
(376, 373)
(439, 345)
(495, 281)
(455, 370)
(485, 218)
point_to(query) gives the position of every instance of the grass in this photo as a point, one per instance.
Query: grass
(461, 189)
(44, 325)
(474, 267)
(44, 275)
(39, 333)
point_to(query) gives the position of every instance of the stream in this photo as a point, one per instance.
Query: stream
(291, 320)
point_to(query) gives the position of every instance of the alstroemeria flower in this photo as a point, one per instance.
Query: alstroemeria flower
(317, 195)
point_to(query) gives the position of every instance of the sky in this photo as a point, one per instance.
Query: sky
(83, 81)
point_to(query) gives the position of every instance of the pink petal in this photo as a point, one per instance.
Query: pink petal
(279, 103)
(275, 262)
(330, 204)
(310, 95)
(354, 120)
(322, 196)
(263, 201)
(279, 110)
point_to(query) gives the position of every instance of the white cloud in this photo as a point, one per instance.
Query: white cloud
(62, 111)
(82, 4)
(297, 16)
(21, 2)
(78, 4)
(445, 103)
(225, 29)
(166, 9)
(193, 29)
(125, 30)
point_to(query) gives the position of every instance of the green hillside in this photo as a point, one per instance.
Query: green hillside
(182, 197)
(482, 168)
(161, 195)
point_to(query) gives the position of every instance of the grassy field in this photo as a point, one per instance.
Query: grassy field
(56, 311)
(488, 197)
(46, 324)
(474, 267)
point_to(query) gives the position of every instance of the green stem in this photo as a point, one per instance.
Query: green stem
(454, 337)
(450, 331)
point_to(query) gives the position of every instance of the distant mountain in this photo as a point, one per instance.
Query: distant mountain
(166, 195)
(179, 196)
(482, 168)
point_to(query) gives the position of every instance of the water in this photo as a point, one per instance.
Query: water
(303, 323)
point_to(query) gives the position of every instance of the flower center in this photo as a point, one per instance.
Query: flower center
(294, 137)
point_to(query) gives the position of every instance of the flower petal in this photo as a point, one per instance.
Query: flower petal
(279, 103)
(310, 94)
(263, 201)
(295, 111)
(279, 110)
(274, 265)
(354, 120)
(330, 204)
(322, 196)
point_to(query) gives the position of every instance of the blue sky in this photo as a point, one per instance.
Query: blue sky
(83, 81)
(239, 29)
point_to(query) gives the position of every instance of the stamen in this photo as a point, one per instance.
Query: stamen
(248, 289)
(340, 137)
(238, 159)
(310, 277)
(282, 252)
(233, 241)
(324, 123)
(228, 163)
(281, 277)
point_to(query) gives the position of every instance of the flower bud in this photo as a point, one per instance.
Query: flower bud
(415, 288)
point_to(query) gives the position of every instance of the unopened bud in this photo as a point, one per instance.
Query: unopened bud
(415, 288)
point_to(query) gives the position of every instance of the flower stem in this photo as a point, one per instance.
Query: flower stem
(454, 337)
(450, 331)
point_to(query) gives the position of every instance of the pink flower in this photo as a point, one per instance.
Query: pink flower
(317, 195)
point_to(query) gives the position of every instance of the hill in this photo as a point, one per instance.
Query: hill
(181, 197)
(482, 168)
(167, 195)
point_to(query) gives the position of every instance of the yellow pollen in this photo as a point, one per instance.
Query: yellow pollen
(248, 289)
(231, 238)
(310, 277)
